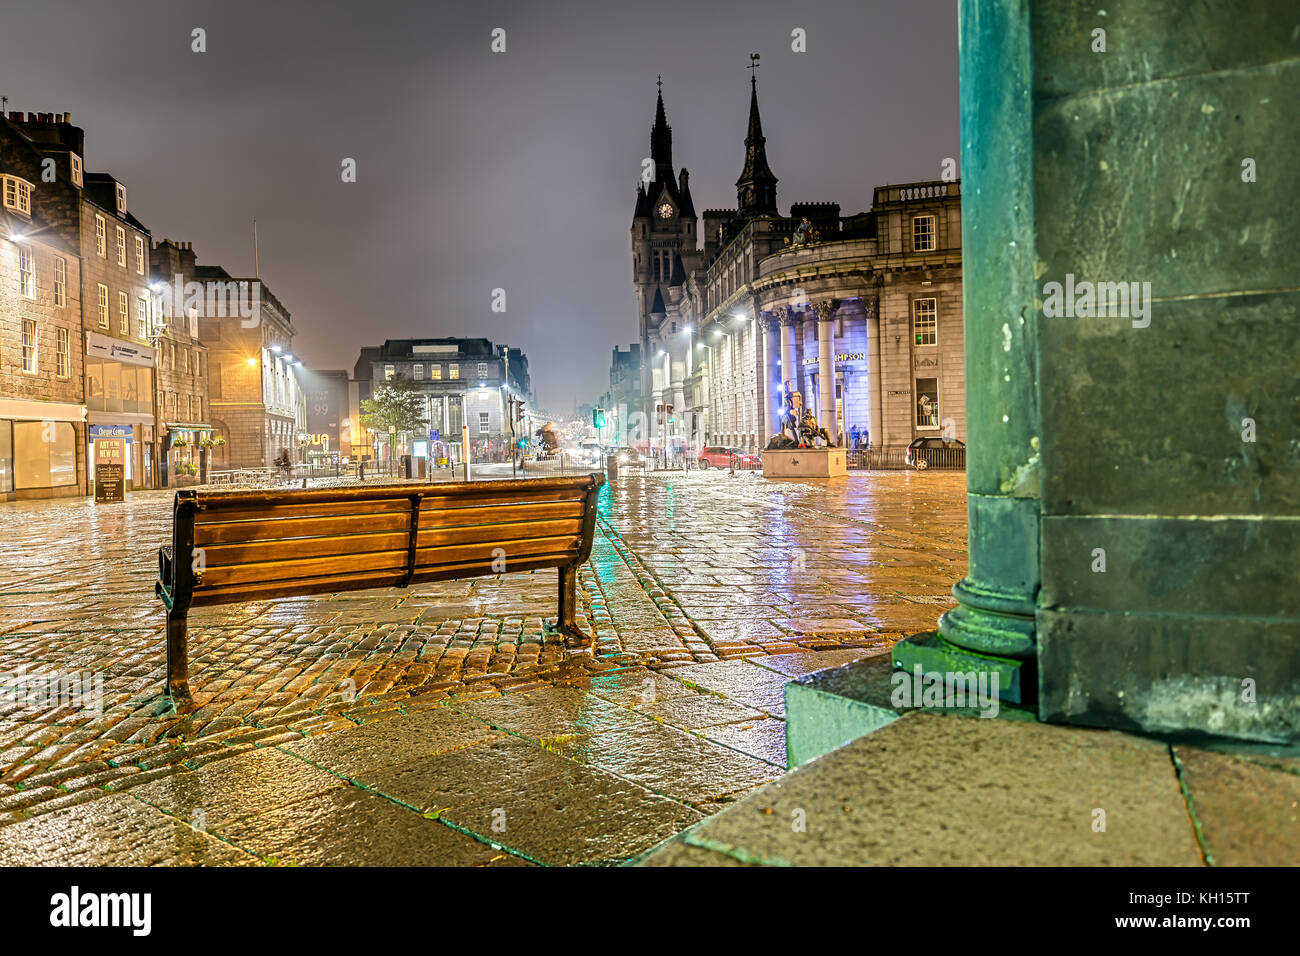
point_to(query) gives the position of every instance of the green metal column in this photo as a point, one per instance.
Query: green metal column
(993, 626)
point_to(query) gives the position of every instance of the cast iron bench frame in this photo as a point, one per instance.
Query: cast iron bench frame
(503, 507)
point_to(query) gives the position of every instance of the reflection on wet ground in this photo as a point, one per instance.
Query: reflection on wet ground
(444, 723)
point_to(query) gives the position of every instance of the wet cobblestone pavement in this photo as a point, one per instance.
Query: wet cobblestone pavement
(443, 724)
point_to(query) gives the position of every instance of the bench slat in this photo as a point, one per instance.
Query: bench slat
(342, 565)
(211, 511)
(510, 531)
(324, 584)
(247, 552)
(240, 531)
(509, 489)
(336, 584)
(483, 551)
(435, 502)
(471, 569)
(528, 511)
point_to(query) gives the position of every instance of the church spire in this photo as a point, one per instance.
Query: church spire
(661, 140)
(756, 187)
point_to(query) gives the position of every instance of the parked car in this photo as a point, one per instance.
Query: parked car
(936, 452)
(719, 456)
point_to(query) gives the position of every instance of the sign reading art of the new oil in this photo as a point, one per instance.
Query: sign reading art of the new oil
(110, 469)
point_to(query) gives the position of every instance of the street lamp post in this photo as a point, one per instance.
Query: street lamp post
(668, 371)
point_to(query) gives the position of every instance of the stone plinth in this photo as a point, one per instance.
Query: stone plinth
(804, 463)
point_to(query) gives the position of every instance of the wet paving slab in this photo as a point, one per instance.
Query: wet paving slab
(114, 831)
(353, 827)
(739, 681)
(545, 807)
(631, 687)
(549, 713)
(672, 762)
(1246, 813)
(1009, 793)
(356, 751)
(700, 710)
(762, 739)
(800, 664)
(253, 782)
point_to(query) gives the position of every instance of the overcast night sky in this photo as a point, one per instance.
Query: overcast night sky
(475, 170)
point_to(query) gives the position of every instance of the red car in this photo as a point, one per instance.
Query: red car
(718, 456)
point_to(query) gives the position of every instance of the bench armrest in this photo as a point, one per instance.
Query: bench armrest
(166, 584)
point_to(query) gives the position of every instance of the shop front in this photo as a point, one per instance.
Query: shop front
(119, 402)
(186, 452)
(38, 449)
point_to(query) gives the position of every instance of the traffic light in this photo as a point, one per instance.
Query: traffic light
(598, 418)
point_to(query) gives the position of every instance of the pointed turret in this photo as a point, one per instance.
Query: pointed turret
(642, 203)
(684, 193)
(661, 142)
(756, 187)
(658, 307)
(678, 277)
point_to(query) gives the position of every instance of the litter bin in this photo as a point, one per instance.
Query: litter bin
(406, 467)
(611, 466)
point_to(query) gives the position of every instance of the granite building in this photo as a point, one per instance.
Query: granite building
(327, 422)
(88, 211)
(182, 397)
(464, 381)
(861, 314)
(42, 391)
(257, 403)
(624, 403)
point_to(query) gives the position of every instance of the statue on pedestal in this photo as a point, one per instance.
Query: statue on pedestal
(799, 429)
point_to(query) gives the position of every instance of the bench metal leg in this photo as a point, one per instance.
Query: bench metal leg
(566, 624)
(178, 662)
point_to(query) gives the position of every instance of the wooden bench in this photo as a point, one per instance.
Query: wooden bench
(234, 546)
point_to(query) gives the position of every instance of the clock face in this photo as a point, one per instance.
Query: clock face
(665, 211)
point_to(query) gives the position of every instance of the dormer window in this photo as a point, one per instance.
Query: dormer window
(121, 198)
(18, 195)
(76, 169)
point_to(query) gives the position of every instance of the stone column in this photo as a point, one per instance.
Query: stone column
(772, 376)
(668, 396)
(875, 384)
(992, 628)
(826, 367)
(655, 375)
(789, 374)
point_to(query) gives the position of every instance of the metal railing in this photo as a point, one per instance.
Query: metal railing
(895, 459)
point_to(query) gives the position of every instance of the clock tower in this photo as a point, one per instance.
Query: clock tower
(663, 247)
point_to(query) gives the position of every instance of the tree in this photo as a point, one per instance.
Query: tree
(396, 407)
